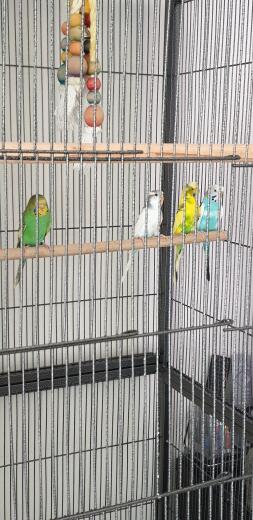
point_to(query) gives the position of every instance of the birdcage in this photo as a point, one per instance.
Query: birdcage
(126, 236)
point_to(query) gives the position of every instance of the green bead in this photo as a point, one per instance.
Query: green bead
(75, 33)
(61, 74)
(64, 44)
(93, 98)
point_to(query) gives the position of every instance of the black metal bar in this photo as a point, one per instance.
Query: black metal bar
(78, 151)
(59, 381)
(104, 339)
(165, 255)
(242, 165)
(239, 329)
(45, 380)
(209, 404)
(228, 479)
(146, 158)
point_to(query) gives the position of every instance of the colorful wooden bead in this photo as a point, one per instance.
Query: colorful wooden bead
(87, 7)
(64, 44)
(75, 48)
(64, 54)
(75, 20)
(86, 45)
(93, 83)
(94, 68)
(61, 74)
(74, 66)
(94, 98)
(92, 111)
(87, 20)
(64, 28)
(75, 33)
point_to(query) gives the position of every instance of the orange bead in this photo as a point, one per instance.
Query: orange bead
(75, 48)
(89, 115)
(64, 28)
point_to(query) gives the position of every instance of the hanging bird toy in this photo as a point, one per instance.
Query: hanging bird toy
(79, 64)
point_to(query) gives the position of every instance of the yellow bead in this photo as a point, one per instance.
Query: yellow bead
(94, 68)
(75, 20)
(63, 56)
(87, 7)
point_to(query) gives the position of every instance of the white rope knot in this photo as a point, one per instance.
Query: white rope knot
(75, 6)
(88, 134)
(72, 91)
(87, 138)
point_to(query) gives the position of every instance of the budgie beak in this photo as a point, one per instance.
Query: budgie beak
(42, 210)
(162, 198)
(220, 190)
(194, 187)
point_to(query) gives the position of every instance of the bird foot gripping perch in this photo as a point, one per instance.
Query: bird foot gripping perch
(79, 84)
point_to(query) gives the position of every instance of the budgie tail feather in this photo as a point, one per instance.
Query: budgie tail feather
(127, 267)
(18, 275)
(208, 268)
(178, 254)
(206, 248)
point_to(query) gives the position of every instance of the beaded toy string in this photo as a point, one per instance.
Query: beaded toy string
(93, 83)
(77, 50)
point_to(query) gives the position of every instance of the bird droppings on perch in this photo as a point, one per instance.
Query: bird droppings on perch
(112, 246)
(168, 152)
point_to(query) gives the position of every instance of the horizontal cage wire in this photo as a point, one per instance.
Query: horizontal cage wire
(126, 238)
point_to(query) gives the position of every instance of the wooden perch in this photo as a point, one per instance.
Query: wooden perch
(169, 152)
(112, 246)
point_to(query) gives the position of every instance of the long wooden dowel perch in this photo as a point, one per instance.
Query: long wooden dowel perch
(169, 152)
(112, 246)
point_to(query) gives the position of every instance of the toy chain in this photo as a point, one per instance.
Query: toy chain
(79, 70)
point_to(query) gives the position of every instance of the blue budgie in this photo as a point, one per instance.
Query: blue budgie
(211, 212)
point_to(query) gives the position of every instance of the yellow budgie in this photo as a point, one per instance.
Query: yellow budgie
(186, 216)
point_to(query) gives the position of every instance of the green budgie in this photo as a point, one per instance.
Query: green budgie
(29, 231)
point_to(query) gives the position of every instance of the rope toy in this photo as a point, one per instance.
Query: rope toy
(79, 62)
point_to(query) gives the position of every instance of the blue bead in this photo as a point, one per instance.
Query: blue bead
(61, 74)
